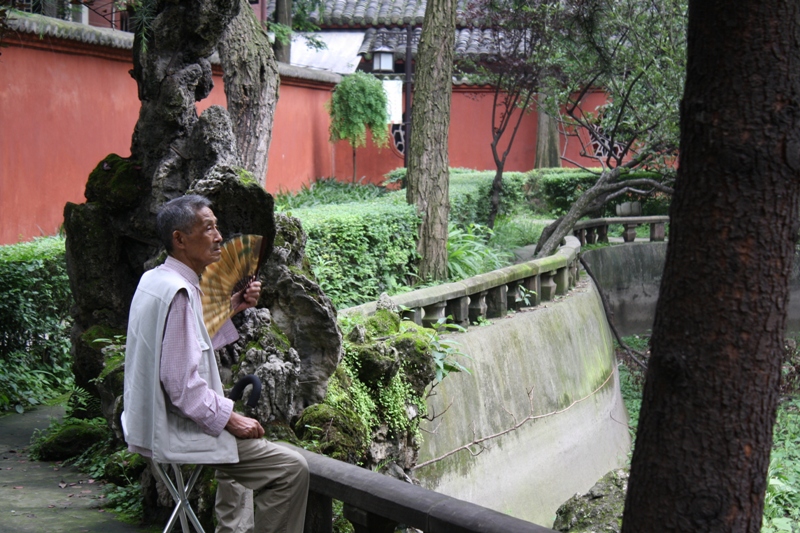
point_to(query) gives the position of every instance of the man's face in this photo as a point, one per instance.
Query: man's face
(201, 246)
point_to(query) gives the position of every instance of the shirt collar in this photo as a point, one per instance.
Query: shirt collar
(184, 270)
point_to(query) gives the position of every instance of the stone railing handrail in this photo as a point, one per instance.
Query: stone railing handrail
(490, 295)
(596, 230)
(376, 503)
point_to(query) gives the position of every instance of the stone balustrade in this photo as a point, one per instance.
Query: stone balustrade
(596, 230)
(490, 295)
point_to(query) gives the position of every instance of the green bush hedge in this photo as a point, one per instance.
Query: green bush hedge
(561, 187)
(34, 321)
(360, 249)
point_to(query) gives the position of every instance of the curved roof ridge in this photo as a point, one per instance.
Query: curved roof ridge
(74, 31)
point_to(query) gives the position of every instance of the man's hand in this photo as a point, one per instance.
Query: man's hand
(243, 427)
(247, 298)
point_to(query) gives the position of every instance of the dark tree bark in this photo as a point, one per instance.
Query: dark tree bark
(711, 391)
(251, 86)
(428, 180)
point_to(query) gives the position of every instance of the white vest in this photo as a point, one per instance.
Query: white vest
(149, 420)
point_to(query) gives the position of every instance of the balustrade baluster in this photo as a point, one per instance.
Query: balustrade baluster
(657, 232)
(477, 307)
(433, 314)
(497, 302)
(548, 286)
(458, 309)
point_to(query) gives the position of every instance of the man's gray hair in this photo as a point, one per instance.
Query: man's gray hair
(178, 214)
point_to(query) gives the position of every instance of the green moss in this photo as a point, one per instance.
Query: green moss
(376, 363)
(383, 323)
(335, 432)
(245, 176)
(70, 439)
(116, 183)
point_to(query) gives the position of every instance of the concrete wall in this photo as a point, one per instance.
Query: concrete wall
(563, 353)
(630, 276)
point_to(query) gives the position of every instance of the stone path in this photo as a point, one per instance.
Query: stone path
(38, 497)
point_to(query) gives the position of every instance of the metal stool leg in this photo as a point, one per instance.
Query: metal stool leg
(180, 493)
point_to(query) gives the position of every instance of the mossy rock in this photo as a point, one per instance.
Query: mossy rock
(413, 347)
(91, 337)
(600, 509)
(122, 467)
(117, 183)
(333, 432)
(382, 324)
(71, 439)
(278, 431)
(376, 363)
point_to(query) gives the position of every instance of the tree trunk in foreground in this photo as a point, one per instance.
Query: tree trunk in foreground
(705, 430)
(428, 177)
(251, 86)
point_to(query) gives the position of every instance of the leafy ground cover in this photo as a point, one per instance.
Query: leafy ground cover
(782, 499)
(35, 363)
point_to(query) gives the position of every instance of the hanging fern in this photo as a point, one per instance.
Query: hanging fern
(358, 103)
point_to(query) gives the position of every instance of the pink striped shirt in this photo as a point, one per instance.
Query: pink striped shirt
(180, 357)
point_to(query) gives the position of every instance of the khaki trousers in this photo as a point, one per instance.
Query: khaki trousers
(265, 492)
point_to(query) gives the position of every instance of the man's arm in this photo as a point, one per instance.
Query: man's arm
(180, 357)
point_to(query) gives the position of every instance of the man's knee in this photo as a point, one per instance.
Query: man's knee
(297, 465)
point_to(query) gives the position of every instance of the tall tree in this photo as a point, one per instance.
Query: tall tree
(634, 51)
(428, 179)
(522, 34)
(705, 431)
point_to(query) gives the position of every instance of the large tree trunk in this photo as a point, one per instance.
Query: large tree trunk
(428, 178)
(251, 86)
(705, 430)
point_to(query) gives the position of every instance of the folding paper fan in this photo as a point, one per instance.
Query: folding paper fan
(241, 258)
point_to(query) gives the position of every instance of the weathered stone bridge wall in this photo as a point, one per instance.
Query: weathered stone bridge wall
(554, 362)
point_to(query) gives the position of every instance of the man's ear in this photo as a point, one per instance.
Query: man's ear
(177, 239)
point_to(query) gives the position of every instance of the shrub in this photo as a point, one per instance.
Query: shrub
(359, 250)
(325, 191)
(34, 322)
(469, 254)
(561, 187)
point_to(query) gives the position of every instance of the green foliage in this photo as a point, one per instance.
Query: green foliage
(469, 254)
(446, 352)
(635, 50)
(359, 102)
(560, 188)
(35, 362)
(325, 191)
(359, 250)
(361, 238)
(470, 190)
(516, 230)
(782, 498)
